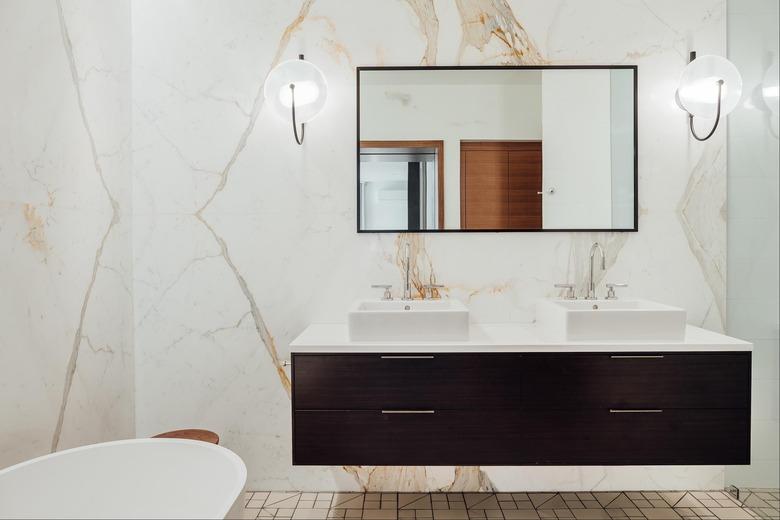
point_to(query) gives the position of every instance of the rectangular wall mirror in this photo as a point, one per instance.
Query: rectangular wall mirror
(497, 148)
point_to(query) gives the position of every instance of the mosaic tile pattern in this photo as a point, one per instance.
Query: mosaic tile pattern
(764, 502)
(628, 505)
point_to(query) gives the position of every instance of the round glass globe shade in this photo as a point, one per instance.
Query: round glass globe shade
(697, 93)
(311, 90)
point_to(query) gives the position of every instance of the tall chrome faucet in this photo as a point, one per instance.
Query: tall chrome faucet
(591, 285)
(407, 267)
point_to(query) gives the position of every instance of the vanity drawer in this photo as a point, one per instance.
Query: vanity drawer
(444, 437)
(401, 381)
(644, 380)
(632, 437)
(462, 437)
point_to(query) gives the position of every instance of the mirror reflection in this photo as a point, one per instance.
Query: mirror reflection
(500, 149)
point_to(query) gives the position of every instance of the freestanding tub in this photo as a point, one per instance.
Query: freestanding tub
(138, 478)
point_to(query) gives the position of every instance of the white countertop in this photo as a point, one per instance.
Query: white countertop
(505, 337)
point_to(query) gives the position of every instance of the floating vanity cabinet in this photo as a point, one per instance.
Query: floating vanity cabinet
(521, 408)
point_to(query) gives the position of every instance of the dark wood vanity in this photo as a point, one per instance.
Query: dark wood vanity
(521, 408)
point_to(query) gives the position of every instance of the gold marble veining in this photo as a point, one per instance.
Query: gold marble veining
(420, 478)
(337, 49)
(470, 478)
(36, 229)
(106, 349)
(332, 45)
(421, 272)
(483, 20)
(492, 289)
(401, 478)
(701, 215)
(70, 370)
(260, 325)
(429, 26)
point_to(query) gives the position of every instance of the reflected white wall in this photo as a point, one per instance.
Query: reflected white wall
(622, 147)
(384, 193)
(576, 153)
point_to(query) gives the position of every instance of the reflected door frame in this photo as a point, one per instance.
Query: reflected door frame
(439, 146)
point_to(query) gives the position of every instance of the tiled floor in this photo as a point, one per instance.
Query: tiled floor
(628, 505)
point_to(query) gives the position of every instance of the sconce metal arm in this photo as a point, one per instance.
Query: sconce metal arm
(717, 117)
(299, 140)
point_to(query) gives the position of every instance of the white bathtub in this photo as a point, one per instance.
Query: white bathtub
(139, 478)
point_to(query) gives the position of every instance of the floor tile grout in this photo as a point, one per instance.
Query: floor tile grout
(624, 505)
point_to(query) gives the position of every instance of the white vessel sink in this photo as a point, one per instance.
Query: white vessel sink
(623, 320)
(399, 320)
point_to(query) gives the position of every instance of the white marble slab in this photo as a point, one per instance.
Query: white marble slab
(242, 238)
(232, 237)
(505, 337)
(66, 306)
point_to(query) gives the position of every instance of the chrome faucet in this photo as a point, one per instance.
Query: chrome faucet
(407, 266)
(428, 291)
(591, 285)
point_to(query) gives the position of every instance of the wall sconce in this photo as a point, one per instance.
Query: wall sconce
(297, 91)
(710, 87)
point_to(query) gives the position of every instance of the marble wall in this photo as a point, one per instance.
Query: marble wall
(190, 268)
(242, 238)
(66, 328)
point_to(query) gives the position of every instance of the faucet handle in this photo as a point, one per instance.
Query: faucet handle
(611, 290)
(569, 290)
(387, 296)
(428, 289)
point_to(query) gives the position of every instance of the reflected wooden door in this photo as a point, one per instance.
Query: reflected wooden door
(524, 208)
(500, 183)
(484, 184)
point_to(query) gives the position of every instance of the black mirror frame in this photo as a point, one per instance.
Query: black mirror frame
(634, 68)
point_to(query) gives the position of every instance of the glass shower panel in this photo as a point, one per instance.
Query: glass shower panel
(753, 235)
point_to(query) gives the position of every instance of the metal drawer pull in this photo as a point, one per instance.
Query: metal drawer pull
(406, 357)
(407, 411)
(647, 410)
(637, 357)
